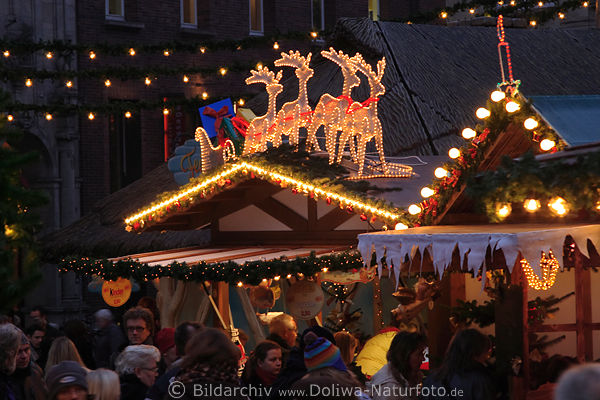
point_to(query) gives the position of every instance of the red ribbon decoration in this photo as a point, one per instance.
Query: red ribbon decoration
(218, 116)
(240, 125)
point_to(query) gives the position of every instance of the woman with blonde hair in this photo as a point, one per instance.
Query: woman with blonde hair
(63, 349)
(104, 384)
(348, 344)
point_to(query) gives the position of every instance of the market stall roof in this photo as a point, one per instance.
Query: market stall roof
(238, 255)
(576, 118)
(473, 241)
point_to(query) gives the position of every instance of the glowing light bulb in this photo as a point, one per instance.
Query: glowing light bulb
(503, 210)
(166, 111)
(240, 284)
(277, 277)
(532, 22)
(92, 55)
(166, 53)
(512, 106)
(48, 116)
(49, 55)
(547, 144)
(6, 53)
(454, 153)
(440, 173)
(276, 46)
(497, 95)
(9, 117)
(91, 116)
(107, 83)
(28, 82)
(314, 34)
(241, 102)
(202, 50)
(223, 71)
(541, 4)
(325, 269)
(561, 15)
(132, 51)
(513, 2)
(468, 133)
(259, 65)
(204, 95)
(531, 205)
(558, 206)
(127, 114)
(147, 81)
(444, 14)
(414, 209)
(400, 226)
(530, 123)
(585, 4)
(186, 79)
(472, 11)
(69, 84)
(482, 113)
(427, 192)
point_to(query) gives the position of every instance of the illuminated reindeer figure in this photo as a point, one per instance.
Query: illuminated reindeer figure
(331, 111)
(262, 128)
(294, 114)
(362, 121)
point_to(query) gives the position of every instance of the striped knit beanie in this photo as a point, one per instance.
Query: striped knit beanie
(320, 353)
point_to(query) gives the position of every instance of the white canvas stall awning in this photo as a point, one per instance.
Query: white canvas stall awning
(528, 240)
(239, 255)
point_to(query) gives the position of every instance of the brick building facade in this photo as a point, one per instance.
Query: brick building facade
(116, 150)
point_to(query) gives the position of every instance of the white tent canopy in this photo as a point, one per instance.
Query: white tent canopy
(528, 240)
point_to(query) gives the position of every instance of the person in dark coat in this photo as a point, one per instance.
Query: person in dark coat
(10, 337)
(463, 373)
(109, 338)
(263, 366)
(28, 378)
(209, 369)
(137, 367)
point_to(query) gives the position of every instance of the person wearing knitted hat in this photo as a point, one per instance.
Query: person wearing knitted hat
(327, 375)
(165, 341)
(67, 381)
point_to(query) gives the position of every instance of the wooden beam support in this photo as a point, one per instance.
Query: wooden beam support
(583, 310)
(286, 237)
(333, 219)
(312, 214)
(283, 214)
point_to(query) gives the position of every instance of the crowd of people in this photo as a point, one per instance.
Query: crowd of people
(137, 360)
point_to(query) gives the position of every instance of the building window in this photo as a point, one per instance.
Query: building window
(115, 9)
(125, 150)
(189, 13)
(374, 10)
(256, 17)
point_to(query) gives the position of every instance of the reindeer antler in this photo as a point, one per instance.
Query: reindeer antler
(366, 69)
(263, 75)
(293, 59)
(339, 57)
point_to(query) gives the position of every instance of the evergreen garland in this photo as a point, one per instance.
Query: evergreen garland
(251, 273)
(517, 180)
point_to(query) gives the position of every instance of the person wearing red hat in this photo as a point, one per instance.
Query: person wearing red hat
(165, 341)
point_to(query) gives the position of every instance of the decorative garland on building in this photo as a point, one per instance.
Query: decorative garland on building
(531, 10)
(532, 185)
(251, 273)
(469, 157)
(58, 47)
(310, 178)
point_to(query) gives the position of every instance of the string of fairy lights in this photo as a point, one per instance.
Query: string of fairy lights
(111, 75)
(535, 12)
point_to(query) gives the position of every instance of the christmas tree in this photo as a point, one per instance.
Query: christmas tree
(19, 269)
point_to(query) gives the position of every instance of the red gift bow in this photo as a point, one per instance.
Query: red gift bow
(240, 125)
(218, 116)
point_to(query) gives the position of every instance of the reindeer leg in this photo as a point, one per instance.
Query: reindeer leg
(362, 147)
(379, 144)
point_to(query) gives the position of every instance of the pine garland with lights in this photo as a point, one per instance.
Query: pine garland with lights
(306, 171)
(528, 9)
(470, 156)
(251, 273)
(518, 180)
(18, 47)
